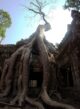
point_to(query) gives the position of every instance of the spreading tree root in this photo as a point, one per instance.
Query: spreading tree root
(22, 76)
(52, 103)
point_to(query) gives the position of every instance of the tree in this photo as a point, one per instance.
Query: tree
(5, 22)
(72, 4)
(15, 76)
(37, 8)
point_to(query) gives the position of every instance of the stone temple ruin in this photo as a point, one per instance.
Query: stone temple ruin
(36, 75)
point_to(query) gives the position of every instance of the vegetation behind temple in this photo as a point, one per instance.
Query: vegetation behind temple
(5, 22)
(72, 4)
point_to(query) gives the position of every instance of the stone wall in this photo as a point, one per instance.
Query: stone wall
(5, 52)
(69, 51)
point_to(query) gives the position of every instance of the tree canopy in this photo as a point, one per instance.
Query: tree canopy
(72, 4)
(5, 22)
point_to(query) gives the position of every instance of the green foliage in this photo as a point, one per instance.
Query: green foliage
(5, 22)
(72, 4)
(2, 32)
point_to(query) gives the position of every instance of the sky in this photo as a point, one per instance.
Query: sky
(24, 23)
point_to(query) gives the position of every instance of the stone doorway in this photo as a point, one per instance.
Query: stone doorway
(35, 76)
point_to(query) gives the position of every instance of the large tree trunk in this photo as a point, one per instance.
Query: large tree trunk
(15, 76)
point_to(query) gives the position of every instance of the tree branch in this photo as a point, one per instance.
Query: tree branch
(33, 11)
(34, 4)
(40, 13)
(37, 1)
